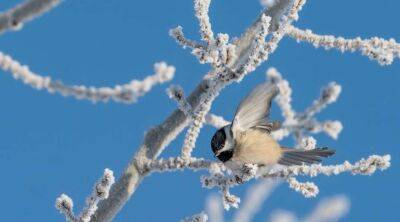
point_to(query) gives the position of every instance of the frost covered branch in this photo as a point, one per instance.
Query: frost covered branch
(258, 54)
(200, 113)
(242, 56)
(308, 189)
(65, 205)
(299, 123)
(127, 93)
(329, 95)
(15, 18)
(100, 192)
(177, 34)
(216, 121)
(197, 116)
(179, 163)
(218, 52)
(176, 93)
(201, 8)
(379, 49)
(257, 48)
(201, 217)
(224, 182)
(308, 143)
(363, 167)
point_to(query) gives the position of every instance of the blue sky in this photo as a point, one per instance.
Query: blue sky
(50, 144)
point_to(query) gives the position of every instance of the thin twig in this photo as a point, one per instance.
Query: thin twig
(14, 18)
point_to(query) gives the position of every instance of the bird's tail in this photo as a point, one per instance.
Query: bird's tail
(300, 156)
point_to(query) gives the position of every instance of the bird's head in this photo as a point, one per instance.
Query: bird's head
(219, 145)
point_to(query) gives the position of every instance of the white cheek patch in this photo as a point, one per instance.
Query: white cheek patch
(229, 142)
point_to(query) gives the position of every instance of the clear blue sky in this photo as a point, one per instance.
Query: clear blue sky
(50, 144)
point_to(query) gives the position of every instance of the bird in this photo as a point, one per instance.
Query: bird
(247, 139)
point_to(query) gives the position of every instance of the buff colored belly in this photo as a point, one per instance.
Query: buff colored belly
(257, 147)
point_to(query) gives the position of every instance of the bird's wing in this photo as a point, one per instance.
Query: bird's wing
(253, 111)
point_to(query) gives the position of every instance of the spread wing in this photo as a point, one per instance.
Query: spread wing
(254, 110)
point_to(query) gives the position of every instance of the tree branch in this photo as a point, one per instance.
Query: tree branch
(126, 93)
(378, 49)
(15, 18)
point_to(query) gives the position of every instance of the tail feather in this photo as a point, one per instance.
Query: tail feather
(301, 156)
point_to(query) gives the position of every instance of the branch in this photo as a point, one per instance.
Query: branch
(14, 18)
(379, 49)
(176, 93)
(179, 163)
(177, 34)
(308, 189)
(275, 13)
(300, 123)
(201, 10)
(100, 192)
(284, 98)
(363, 167)
(216, 121)
(329, 95)
(256, 52)
(308, 143)
(127, 93)
(65, 205)
(200, 113)
(250, 64)
(201, 217)
(224, 182)
(218, 52)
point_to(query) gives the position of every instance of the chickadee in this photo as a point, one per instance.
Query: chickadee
(247, 139)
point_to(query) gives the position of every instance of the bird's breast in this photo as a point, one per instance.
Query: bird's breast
(256, 147)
